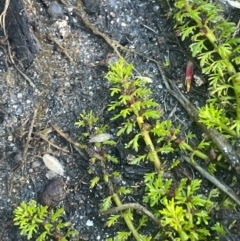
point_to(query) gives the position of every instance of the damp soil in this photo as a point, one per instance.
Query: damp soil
(68, 74)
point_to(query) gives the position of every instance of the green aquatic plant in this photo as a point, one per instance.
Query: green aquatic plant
(216, 46)
(135, 100)
(39, 223)
(185, 214)
(139, 123)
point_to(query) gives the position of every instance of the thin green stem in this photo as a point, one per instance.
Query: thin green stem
(229, 131)
(236, 86)
(126, 218)
(185, 146)
(149, 144)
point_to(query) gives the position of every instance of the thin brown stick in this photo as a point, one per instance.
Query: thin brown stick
(24, 155)
(65, 136)
(82, 15)
(70, 140)
(224, 188)
(29, 135)
(114, 44)
(64, 51)
(26, 146)
(79, 183)
(3, 16)
(5, 157)
(52, 144)
(135, 206)
(16, 67)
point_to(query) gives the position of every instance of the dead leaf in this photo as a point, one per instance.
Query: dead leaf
(53, 164)
(100, 137)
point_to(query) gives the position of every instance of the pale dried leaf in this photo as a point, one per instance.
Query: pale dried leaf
(234, 4)
(51, 175)
(144, 78)
(53, 164)
(100, 137)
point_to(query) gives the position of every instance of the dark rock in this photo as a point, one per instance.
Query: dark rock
(1, 117)
(92, 6)
(53, 193)
(24, 44)
(55, 9)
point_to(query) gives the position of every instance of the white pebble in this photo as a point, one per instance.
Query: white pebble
(89, 223)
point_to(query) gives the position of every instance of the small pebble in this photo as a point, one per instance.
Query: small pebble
(36, 164)
(18, 157)
(51, 175)
(19, 95)
(55, 10)
(89, 223)
(53, 193)
(18, 111)
(156, 8)
(112, 14)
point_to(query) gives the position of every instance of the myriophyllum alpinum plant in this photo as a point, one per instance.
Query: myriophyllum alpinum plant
(215, 44)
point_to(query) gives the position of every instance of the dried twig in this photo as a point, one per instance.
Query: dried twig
(16, 67)
(5, 157)
(20, 71)
(65, 136)
(82, 15)
(78, 183)
(43, 135)
(70, 140)
(3, 16)
(136, 206)
(114, 44)
(12, 173)
(224, 188)
(64, 51)
(29, 136)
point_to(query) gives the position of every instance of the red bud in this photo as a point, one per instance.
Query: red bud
(189, 75)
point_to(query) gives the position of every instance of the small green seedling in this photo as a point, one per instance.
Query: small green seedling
(183, 214)
(37, 222)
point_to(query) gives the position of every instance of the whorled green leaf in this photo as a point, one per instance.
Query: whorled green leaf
(112, 220)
